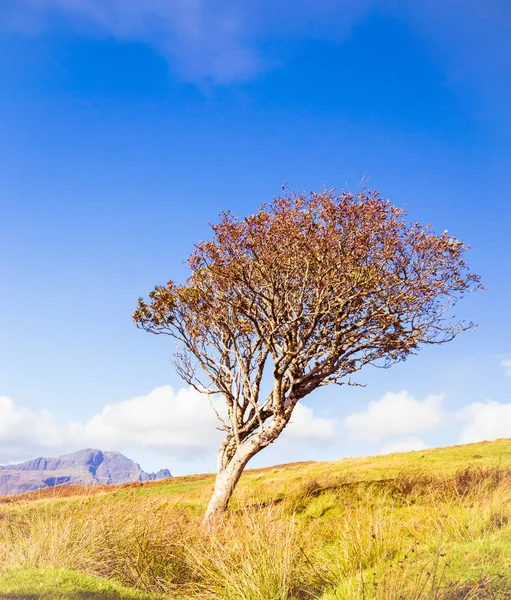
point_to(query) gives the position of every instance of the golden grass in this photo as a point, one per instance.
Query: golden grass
(383, 528)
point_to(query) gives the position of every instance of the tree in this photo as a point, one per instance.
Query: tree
(302, 294)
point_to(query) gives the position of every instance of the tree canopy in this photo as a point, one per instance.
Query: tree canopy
(305, 292)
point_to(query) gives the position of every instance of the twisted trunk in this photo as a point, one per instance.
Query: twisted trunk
(227, 478)
(231, 466)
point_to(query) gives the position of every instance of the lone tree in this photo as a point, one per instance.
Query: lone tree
(302, 294)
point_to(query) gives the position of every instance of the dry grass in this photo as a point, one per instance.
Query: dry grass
(335, 536)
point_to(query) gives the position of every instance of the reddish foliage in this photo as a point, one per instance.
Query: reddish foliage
(310, 288)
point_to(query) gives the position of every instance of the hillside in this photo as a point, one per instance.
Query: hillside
(85, 467)
(425, 525)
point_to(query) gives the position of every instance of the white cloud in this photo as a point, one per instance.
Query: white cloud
(180, 424)
(404, 445)
(304, 426)
(395, 414)
(506, 363)
(488, 420)
(23, 431)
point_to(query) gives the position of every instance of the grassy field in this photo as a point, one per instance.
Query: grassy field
(428, 525)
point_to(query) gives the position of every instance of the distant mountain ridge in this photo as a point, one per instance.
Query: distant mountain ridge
(87, 467)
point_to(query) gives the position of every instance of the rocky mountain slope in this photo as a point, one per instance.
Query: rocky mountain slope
(87, 467)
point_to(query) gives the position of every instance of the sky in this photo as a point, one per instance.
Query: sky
(127, 127)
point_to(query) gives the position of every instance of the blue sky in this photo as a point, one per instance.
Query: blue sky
(127, 127)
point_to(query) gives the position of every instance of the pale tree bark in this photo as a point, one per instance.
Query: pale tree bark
(225, 482)
(231, 468)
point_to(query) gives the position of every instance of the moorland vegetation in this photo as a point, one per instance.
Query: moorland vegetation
(426, 525)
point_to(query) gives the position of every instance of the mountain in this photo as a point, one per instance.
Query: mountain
(86, 467)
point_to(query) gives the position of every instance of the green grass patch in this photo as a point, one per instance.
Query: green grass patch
(61, 584)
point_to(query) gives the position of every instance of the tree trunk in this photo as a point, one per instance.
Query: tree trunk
(226, 481)
(229, 469)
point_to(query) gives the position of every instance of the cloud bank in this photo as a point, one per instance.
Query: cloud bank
(396, 419)
(405, 445)
(488, 420)
(396, 415)
(180, 424)
(309, 429)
